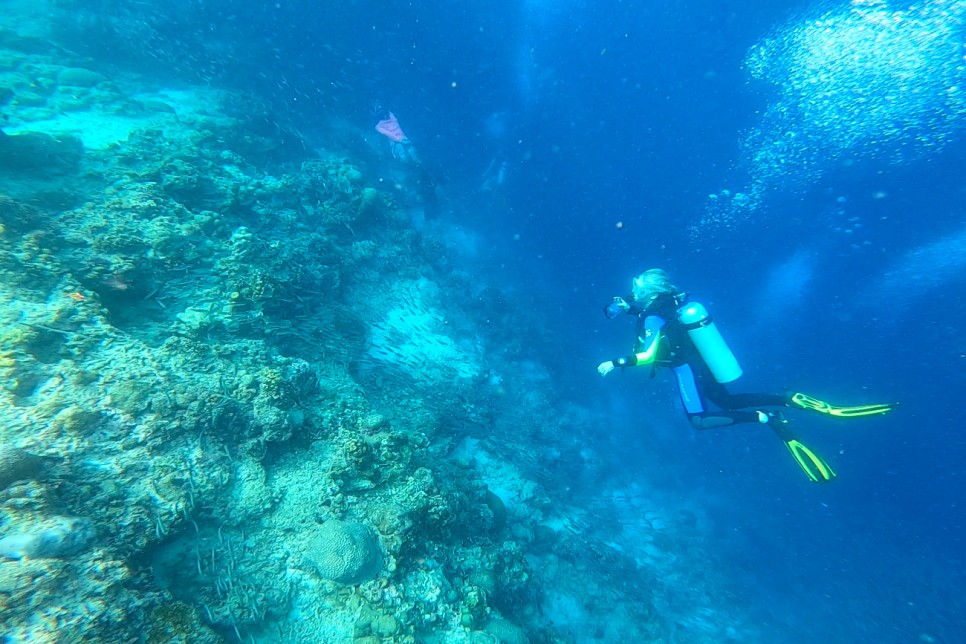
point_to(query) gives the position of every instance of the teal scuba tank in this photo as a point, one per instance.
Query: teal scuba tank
(709, 343)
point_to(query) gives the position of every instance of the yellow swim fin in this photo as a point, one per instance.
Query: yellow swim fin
(814, 466)
(804, 401)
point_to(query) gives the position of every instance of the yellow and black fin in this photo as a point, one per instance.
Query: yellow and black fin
(804, 401)
(814, 466)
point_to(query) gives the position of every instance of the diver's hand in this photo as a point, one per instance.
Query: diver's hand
(605, 368)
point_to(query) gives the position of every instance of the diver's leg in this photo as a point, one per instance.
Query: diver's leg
(720, 396)
(692, 392)
(743, 401)
(696, 388)
(711, 420)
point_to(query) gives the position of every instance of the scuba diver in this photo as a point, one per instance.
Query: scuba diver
(399, 144)
(423, 182)
(676, 332)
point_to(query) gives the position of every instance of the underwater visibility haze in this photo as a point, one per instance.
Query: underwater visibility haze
(301, 331)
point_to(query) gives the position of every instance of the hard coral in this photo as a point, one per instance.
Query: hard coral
(348, 553)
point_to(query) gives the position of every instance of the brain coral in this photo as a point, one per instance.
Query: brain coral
(345, 552)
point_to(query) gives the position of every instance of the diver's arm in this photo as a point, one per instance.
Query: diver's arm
(646, 356)
(647, 345)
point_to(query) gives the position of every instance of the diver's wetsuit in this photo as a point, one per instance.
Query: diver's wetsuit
(659, 323)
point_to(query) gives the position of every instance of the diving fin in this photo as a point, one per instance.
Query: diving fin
(804, 401)
(815, 467)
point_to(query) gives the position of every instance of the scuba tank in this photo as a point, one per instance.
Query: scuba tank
(709, 343)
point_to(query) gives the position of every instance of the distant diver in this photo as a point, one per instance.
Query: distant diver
(494, 177)
(422, 181)
(676, 332)
(399, 143)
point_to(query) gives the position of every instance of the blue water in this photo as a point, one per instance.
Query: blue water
(614, 123)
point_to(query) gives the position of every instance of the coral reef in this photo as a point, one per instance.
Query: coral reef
(53, 537)
(18, 465)
(242, 398)
(36, 152)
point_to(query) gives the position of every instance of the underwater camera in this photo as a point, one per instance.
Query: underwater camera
(615, 307)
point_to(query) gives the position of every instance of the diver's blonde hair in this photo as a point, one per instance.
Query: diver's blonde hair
(650, 285)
